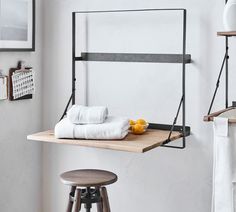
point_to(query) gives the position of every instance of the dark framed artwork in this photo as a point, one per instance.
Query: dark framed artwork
(17, 25)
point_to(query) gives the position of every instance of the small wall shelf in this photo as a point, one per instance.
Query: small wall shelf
(225, 64)
(211, 116)
(227, 33)
(128, 57)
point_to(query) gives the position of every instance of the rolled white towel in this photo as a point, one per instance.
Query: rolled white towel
(79, 114)
(112, 128)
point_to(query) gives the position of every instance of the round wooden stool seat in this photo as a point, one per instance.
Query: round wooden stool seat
(88, 178)
(88, 187)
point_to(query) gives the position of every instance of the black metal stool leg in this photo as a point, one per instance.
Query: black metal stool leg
(88, 209)
(88, 205)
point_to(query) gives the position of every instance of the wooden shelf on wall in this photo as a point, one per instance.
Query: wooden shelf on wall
(211, 116)
(132, 143)
(227, 33)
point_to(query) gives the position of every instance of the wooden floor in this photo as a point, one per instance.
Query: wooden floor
(132, 143)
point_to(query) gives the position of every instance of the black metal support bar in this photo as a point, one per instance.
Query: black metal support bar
(182, 101)
(186, 130)
(73, 56)
(217, 83)
(134, 57)
(227, 72)
(67, 106)
(178, 128)
(175, 120)
(183, 77)
(138, 10)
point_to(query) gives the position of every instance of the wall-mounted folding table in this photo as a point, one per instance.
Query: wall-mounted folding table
(157, 134)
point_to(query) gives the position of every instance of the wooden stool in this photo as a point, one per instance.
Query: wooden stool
(87, 187)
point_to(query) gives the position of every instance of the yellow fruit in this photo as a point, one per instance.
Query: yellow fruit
(141, 121)
(131, 122)
(138, 129)
(132, 128)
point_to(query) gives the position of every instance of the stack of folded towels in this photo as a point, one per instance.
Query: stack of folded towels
(91, 123)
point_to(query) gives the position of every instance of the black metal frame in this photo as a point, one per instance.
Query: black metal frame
(32, 49)
(226, 64)
(133, 57)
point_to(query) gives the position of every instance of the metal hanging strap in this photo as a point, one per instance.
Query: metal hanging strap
(67, 106)
(218, 82)
(168, 140)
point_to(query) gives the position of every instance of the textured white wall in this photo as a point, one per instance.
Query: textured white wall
(20, 160)
(163, 179)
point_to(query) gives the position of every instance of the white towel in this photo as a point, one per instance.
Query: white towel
(221, 126)
(224, 172)
(112, 128)
(79, 114)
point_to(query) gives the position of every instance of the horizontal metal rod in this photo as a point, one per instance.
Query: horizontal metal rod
(177, 128)
(137, 10)
(174, 147)
(133, 57)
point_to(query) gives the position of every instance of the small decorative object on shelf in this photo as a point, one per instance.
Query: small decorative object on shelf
(3, 86)
(22, 84)
(138, 127)
(229, 17)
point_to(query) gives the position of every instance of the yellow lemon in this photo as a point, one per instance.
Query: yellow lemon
(132, 128)
(138, 129)
(131, 122)
(141, 121)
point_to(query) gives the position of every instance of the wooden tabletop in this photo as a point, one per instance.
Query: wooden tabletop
(131, 143)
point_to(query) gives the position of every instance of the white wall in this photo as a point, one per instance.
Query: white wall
(163, 179)
(20, 160)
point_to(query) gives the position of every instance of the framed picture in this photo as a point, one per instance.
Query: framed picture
(17, 25)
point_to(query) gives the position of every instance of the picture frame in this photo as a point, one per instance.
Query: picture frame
(17, 25)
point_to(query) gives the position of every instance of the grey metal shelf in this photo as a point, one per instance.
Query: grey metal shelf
(134, 57)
